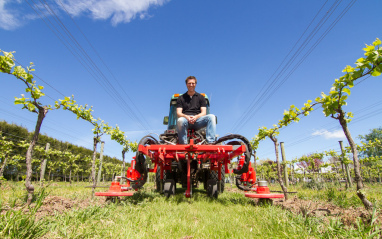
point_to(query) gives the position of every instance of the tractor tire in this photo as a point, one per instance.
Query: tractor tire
(166, 175)
(214, 175)
(206, 176)
(141, 164)
(169, 188)
(212, 188)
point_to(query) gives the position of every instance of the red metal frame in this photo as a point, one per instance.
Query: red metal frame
(159, 152)
(217, 154)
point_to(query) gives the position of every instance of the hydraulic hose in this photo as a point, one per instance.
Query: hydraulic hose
(141, 164)
(247, 154)
(240, 186)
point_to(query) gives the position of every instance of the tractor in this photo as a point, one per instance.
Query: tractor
(190, 164)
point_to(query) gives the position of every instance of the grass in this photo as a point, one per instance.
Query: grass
(150, 215)
(17, 223)
(338, 195)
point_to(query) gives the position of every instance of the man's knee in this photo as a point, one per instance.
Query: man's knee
(181, 122)
(212, 118)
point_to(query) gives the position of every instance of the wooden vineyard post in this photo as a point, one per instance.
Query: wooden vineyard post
(255, 163)
(100, 161)
(349, 181)
(124, 164)
(43, 165)
(285, 167)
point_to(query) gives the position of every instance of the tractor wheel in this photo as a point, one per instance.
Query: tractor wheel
(166, 175)
(141, 164)
(169, 187)
(214, 175)
(206, 176)
(212, 188)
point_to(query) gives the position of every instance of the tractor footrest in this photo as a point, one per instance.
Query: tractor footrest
(115, 194)
(264, 195)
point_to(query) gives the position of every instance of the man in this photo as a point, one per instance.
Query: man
(191, 111)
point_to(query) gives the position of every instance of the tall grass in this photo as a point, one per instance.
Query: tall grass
(337, 194)
(21, 223)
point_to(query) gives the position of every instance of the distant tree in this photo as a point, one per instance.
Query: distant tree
(6, 147)
(311, 162)
(374, 134)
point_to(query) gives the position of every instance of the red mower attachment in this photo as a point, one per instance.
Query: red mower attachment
(116, 190)
(263, 193)
(122, 190)
(246, 182)
(248, 179)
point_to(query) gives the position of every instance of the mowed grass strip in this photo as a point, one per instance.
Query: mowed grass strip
(149, 215)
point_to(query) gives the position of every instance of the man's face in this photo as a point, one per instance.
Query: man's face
(191, 83)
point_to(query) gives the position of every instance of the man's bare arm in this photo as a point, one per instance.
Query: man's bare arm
(179, 113)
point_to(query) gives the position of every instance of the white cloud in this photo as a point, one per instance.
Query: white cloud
(119, 11)
(337, 134)
(8, 18)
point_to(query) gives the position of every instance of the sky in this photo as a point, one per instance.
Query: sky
(252, 58)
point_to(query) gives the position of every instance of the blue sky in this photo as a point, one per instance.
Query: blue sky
(131, 56)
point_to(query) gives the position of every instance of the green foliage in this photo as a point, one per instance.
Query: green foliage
(342, 199)
(60, 157)
(100, 127)
(371, 65)
(316, 185)
(7, 65)
(371, 142)
(291, 115)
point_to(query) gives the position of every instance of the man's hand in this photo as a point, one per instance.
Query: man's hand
(192, 119)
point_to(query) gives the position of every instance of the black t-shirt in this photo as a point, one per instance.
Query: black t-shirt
(191, 106)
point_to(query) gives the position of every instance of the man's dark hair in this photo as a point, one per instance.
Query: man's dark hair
(191, 78)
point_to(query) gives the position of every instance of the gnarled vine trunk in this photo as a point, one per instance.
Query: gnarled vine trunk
(42, 111)
(93, 176)
(124, 164)
(274, 139)
(357, 172)
(4, 165)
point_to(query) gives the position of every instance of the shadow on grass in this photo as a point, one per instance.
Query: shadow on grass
(140, 197)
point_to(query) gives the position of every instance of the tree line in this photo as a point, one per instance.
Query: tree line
(65, 161)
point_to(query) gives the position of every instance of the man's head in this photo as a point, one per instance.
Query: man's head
(191, 83)
(191, 78)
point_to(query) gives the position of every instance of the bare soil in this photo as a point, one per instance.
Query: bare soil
(327, 211)
(56, 204)
(324, 210)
